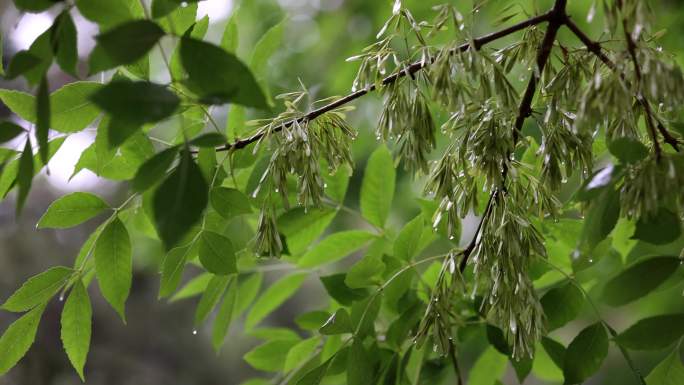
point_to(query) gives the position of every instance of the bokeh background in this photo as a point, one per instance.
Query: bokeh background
(157, 346)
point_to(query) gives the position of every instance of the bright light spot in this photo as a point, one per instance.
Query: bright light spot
(62, 166)
(29, 28)
(215, 9)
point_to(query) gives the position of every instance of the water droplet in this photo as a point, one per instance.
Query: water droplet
(194, 332)
(591, 260)
(184, 4)
(61, 297)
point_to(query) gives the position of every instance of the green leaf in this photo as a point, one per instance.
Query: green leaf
(162, 8)
(24, 176)
(180, 201)
(124, 44)
(267, 45)
(212, 139)
(273, 297)
(337, 288)
(71, 210)
(72, 110)
(133, 104)
(216, 253)
(408, 243)
(21, 103)
(18, 338)
(218, 76)
(34, 5)
(653, 333)
(113, 265)
(65, 38)
(22, 63)
(315, 376)
(229, 202)
(338, 323)
(312, 320)
(585, 354)
(11, 172)
(555, 351)
(230, 38)
(669, 372)
(638, 280)
(334, 248)
(359, 364)
(561, 305)
(273, 333)
(172, 267)
(302, 227)
(628, 150)
(154, 169)
(271, 356)
(76, 326)
(211, 296)
(661, 228)
(601, 218)
(248, 289)
(43, 119)
(377, 188)
(111, 12)
(192, 288)
(488, 368)
(38, 289)
(224, 316)
(366, 272)
(300, 352)
(9, 131)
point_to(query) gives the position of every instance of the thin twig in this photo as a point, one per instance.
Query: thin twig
(410, 70)
(596, 48)
(556, 18)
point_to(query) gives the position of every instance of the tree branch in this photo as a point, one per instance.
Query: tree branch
(410, 70)
(556, 18)
(595, 48)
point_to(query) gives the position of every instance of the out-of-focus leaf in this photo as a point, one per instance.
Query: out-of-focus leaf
(65, 40)
(661, 228)
(585, 354)
(9, 131)
(271, 356)
(561, 305)
(653, 333)
(154, 169)
(273, 297)
(377, 188)
(224, 316)
(218, 76)
(180, 201)
(337, 288)
(334, 248)
(668, 372)
(628, 150)
(638, 280)
(338, 323)
(211, 296)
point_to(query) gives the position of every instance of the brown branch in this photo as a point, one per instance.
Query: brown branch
(595, 48)
(410, 70)
(556, 18)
